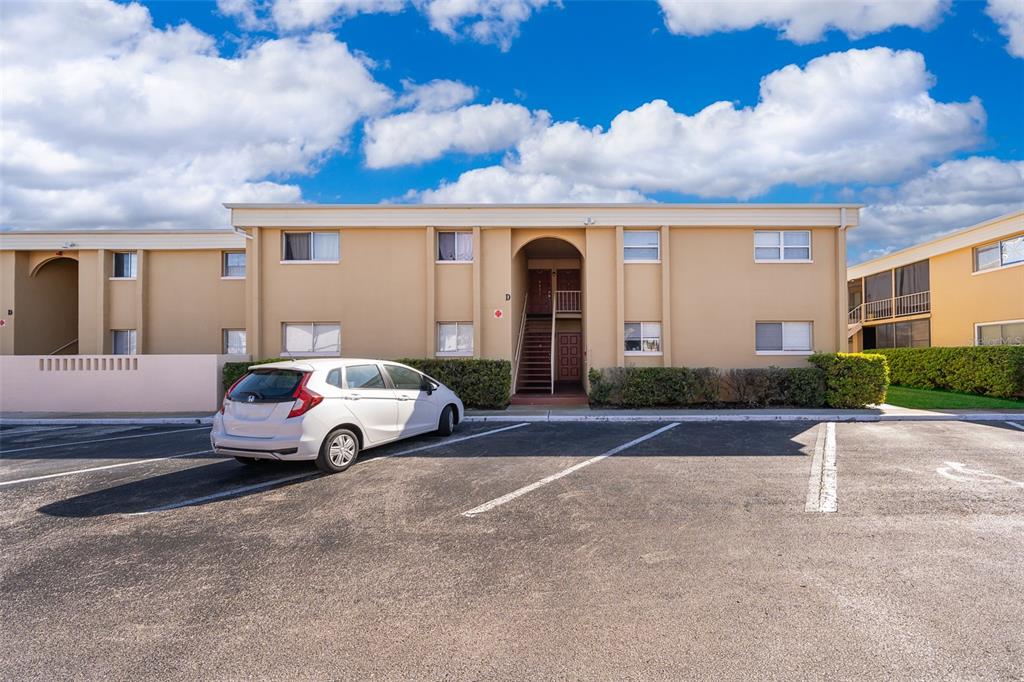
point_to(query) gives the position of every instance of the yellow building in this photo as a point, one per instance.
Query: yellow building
(556, 289)
(964, 289)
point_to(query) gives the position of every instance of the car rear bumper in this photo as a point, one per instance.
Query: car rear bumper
(285, 449)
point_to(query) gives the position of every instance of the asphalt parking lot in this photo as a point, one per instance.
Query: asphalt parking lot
(621, 550)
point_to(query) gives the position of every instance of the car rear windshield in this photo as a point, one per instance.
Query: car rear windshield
(267, 385)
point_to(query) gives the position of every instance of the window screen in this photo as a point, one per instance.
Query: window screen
(455, 337)
(234, 264)
(912, 279)
(125, 264)
(455, 246)
(308, 338)
(311, 246)
(234, 341)
(782, 336)
(782, 245)
(643, 337)
(641, 245)
(1005, 333)
(123, 342)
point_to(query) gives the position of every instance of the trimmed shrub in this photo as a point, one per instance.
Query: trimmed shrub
(479, 383)
(853, 380)
(640, 387)
(996, 371)
(232, 371)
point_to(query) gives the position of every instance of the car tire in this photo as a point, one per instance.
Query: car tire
(338, 451)
(249, 461)
(446, 424)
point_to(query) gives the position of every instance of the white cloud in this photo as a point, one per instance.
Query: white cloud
(293, 15)
(1009, 14)
(497, 185)
(486, 21)
(417, 136)
(244, 11)
(951, 196)
(862, 116)
(436, 95)
(109, 121)
(801, 21)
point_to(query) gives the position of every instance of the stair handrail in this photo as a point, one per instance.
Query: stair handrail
(66, 345)
(519, 346)
(554, 317)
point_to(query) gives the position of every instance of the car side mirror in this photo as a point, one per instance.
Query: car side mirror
(428, 386)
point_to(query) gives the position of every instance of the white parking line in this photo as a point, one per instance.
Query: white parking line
(498, 501)
(1017, 425)
(106, 466)
(278, 481)
(100, 440)
(822, 493)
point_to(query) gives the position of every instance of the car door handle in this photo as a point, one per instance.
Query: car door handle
(352, 396)
(405, 397)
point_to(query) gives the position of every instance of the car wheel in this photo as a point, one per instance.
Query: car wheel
(249, 461)
(338, 452)
(446, 424)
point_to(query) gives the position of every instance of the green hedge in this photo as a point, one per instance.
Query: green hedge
(640, 387)
(853, 379)
(479, 383)
(996, 371)
(841, 380)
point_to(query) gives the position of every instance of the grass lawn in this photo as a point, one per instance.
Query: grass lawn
(943, 400)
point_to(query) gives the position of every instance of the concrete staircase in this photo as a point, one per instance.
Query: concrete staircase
(535, 361)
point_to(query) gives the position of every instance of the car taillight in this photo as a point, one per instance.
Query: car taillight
(224, 403)
(305, 399)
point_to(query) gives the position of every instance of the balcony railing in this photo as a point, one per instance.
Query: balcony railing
(567, 302)
(886, 308)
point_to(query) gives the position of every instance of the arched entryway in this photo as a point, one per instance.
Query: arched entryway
(46, 309)
(550, 352)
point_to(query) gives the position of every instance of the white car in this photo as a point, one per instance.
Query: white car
(329, 410)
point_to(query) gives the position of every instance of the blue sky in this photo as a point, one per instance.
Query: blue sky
(162, 111)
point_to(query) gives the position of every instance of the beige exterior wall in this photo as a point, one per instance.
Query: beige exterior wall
(962, 298)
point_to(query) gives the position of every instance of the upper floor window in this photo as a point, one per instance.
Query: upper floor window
(234, 341)
(782, 246)
(312, 338)
(455, 247)
(310, 247)
(643, 337)
(122, 342)
(1000, 254)
(125, 264)
(1000, 333)
(641, 245)
(233, 265)
(783, 337)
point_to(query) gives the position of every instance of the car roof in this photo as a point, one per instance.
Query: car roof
(313, 364)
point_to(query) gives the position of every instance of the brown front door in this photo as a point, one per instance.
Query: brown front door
(539, 294)
(570, 356)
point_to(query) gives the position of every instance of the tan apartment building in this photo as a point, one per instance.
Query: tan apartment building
(556, 289)
(963, 289)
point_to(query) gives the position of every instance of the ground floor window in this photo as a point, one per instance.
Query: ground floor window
(783, 337)
(999, 333)
(643, 337)
(312, 338)
(909, 334)
(122, 341)
(454, 338)
(234, 341)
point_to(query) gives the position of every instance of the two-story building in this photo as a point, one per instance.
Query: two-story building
(963, 289)
(555, 289)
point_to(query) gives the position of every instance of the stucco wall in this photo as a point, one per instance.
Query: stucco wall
(45, 303)
(960, 298)
(188, 304)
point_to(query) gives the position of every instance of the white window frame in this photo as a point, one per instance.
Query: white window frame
(132, 341)
(644, 335)
(999, 247)
(782, 247)
(224, 264)
(626, 248)
(979, 325)
(226, 347)
(134, 269)
(460, 353)
(311, 353)
(784, 351)
(457, 233)
(314, 260)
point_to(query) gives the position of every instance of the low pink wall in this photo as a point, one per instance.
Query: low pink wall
(111, 383)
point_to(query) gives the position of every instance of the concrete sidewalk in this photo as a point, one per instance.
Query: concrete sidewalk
(882, 413)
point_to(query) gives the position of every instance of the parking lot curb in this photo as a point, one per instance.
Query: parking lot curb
(112, 421)
(655, 418)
